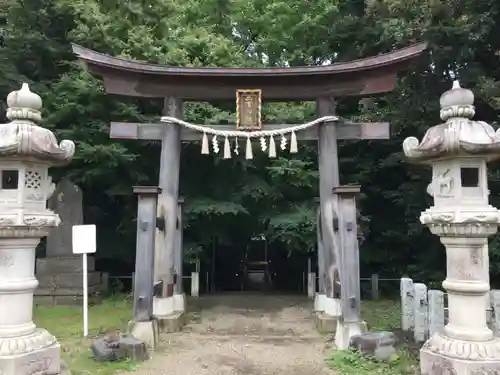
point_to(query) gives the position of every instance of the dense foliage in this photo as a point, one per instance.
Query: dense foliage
(231, 200)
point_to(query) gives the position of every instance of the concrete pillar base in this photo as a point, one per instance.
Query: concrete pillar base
(346, 330)
(180, 302)
(145, 331)
(332, 306)
(328, 313)
(325, 323)
(163, 306)
(171, 323)
(319, 302)
(37, 353)
(169, 320)
(444, 355)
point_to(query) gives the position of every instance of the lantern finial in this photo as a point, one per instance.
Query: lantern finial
(24, 105)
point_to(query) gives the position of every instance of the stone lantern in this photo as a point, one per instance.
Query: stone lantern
(26, 152)
(458, 151)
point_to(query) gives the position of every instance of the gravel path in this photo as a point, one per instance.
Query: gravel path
(243, 335)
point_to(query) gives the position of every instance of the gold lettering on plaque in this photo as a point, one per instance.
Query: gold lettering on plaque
(248, 109)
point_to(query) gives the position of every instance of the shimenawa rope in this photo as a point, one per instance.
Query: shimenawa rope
(263, 134)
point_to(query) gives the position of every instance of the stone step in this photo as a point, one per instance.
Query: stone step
(67, 280)
(69, 264)
(65, 300)
(61, 291)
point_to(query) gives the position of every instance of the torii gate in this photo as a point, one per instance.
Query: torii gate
(363, 77)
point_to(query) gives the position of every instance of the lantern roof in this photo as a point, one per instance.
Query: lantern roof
(459, 135)
(23, 138)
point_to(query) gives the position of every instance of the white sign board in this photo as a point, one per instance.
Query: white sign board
(84, 242)
(84, 239)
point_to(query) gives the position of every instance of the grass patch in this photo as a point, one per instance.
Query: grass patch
(66, 323)
(347, 362)
(380, 316)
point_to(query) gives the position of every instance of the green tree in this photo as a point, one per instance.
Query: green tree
(235, 199)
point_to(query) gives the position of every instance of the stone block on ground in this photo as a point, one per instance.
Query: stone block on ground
(146, 332)
(115, 348)
(133, 348)
(106, 349)
(171, 323)
(378, 345)
(325, 323)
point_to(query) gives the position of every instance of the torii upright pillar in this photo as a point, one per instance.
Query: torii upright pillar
(164, 309)
(179, 295)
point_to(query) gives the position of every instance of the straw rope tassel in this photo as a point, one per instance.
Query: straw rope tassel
(236, 146)
(283, 142)
(205, 150)
(249, 154)
(215, 144)
(293, 143)
(272, 147)
(227, 149)
(263, 145)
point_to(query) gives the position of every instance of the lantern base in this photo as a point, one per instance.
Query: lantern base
(444, 355)
(45, 360)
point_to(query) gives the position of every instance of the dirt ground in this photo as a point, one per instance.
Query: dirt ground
(244, 334)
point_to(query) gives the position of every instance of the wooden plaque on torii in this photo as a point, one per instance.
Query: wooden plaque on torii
(248, 109)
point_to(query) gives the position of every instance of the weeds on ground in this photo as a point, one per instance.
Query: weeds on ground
(380, 315)
(348, 362)
(66, 323)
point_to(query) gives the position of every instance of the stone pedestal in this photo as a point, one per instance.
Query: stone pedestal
(466, 346)
(459, 151)
(45, 360)
(444, 355)
(26, 152)
(61, 280)
(24, 349)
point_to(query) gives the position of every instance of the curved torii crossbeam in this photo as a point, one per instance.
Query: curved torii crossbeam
(367, 76)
